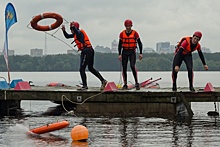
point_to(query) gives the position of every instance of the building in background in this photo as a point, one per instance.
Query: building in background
(163, 47)
(72, 51)
(206, 50)
(148, 50)
(10, 53)
(102, 49)
(114, 47)
(36, 52)
(172, 48)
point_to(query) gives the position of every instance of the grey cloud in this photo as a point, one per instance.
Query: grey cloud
(156, 21)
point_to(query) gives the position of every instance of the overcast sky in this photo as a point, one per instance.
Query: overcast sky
(103, 20)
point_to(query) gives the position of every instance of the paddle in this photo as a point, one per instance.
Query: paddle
(141, 84)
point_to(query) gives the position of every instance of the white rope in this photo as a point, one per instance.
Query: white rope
(120, 77)
(68, 112)
(42, 16)
(57, 37)
(63, 96)
(61, 40)
(50, 27)
(72, 111)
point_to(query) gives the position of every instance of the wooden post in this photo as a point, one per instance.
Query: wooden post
(186, 104)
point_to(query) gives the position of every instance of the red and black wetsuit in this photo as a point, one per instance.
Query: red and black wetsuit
(127, 42)
(184, 53)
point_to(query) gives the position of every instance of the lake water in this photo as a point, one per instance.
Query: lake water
(113, 132)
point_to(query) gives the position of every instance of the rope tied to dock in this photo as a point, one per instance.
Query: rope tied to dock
(72, 111)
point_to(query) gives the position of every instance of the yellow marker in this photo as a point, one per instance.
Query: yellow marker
(119, 86)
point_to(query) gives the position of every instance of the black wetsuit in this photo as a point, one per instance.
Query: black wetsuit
(187, 58)
(86, 58)
(129, 54)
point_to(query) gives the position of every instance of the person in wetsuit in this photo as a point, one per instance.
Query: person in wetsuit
(128, 40)
(183, 52)
(87, 54)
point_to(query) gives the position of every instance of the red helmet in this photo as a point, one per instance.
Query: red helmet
(128, 22)
(76, 24)
(198, 34)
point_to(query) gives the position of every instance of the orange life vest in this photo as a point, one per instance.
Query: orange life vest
(187, 50)
(129, 42)
(86, 44)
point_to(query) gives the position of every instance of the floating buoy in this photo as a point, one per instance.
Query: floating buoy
(50, 127)
(56, 84)
(213, 113)
(36, 19)
(79, 133)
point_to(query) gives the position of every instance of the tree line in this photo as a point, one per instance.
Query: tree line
(103, 62)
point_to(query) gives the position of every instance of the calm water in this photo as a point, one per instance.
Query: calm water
(133, 131)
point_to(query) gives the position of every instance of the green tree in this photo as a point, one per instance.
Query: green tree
(103, 62)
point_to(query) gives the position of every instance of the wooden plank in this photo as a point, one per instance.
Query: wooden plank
(130, 96)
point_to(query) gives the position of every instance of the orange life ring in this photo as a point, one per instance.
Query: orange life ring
(36, 19)
(50, 127)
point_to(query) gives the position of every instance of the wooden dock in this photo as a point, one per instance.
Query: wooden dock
(145, 102)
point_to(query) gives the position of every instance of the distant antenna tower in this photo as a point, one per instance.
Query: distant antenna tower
(45, 45)
(45, 42)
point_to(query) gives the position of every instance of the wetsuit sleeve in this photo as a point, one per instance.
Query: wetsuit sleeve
(79, 35)
(67, 35)
(140, 45)
(120, 43)
(201, 57)
(139, 42)
(119, 46)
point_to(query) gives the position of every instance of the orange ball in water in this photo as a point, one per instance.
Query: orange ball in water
(79, 132)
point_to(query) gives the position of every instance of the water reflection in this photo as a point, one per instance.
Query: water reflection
(79, 144)
(136, 131)
(124, 131)
(128, 135)
(178, 137)
(47, 139)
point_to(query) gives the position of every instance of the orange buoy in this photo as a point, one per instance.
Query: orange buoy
(79, 132)
(36, 19)
(50, 127)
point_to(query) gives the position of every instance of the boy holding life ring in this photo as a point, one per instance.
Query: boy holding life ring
(87, 53)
